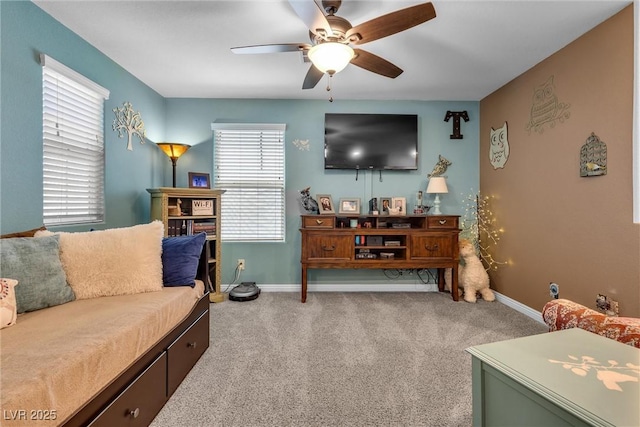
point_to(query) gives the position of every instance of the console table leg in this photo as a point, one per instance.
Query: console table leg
(304, 284)
(454, 283)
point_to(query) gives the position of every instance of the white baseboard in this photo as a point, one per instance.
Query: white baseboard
(394, 287)
(519, 307)
(351, 287)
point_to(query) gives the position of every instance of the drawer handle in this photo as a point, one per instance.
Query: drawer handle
(192, 344)
(134, 413)
(319, 221)
(431, 248)
(328, 248)
(442, 221)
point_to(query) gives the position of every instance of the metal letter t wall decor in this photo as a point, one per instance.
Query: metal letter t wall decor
(457, 115)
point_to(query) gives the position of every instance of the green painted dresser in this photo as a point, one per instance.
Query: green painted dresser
(564, 378)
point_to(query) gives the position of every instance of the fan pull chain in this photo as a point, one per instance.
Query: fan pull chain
(329, 86)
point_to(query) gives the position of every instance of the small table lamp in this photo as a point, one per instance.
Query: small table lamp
(437, 185)
(174, 151)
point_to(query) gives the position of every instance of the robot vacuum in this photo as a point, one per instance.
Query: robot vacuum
(245, 291)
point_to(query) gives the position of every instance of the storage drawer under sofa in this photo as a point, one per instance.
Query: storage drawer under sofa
(139, 403)
(185, 351)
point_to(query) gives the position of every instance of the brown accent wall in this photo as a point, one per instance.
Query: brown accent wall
(558, 226)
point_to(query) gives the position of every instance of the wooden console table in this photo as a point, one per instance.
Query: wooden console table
(381, 242)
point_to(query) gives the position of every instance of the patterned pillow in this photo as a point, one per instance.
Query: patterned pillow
(561, 314)
(8, 306)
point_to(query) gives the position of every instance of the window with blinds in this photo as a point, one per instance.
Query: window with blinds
(249, 165)
(73, 146)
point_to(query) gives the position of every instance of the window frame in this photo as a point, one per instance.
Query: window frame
(247, 215)
(73, 116)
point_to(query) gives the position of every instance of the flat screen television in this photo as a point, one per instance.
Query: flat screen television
(371, 141)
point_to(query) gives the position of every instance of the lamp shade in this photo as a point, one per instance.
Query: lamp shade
(438, 185)
(330, 57)
(173, 149)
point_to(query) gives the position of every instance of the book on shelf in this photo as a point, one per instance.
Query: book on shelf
(188, 227)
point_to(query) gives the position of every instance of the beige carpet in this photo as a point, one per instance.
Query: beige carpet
(341, 359)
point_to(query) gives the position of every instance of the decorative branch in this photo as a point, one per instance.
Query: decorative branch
(130, 122)
(480, 226)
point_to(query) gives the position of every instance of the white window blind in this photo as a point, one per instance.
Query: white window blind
(73, 146)
(249, 165)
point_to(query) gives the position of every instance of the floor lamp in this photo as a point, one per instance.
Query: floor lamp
(174, 151)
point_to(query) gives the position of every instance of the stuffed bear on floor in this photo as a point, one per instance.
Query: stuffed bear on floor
(472, 277)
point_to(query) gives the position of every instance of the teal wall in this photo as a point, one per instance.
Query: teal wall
(26, 31)
(189, 121)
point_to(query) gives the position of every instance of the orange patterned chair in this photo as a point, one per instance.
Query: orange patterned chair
(564, 314)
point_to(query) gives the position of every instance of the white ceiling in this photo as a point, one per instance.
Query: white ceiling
(181, 48)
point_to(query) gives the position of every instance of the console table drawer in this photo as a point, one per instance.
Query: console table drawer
(432, 246)
(318, 221)
(442, 222)
(329, 247)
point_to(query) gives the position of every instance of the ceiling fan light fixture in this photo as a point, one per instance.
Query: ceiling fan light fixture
(330, 57)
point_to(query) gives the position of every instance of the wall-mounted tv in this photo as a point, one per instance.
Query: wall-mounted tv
(371, 141)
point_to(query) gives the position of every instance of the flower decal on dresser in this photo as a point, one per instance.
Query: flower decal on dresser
(611, 375)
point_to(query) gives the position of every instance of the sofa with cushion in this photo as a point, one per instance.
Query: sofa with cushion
(98, 328)
(565, 314)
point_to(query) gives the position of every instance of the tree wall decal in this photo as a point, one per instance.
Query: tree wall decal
(128, 121)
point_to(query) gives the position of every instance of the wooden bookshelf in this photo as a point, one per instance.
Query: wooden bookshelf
(187, 211)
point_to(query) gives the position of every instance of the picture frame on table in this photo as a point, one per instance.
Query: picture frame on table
(349, 206)
(325, 204)
(199, 180)
(385, 204)
(399, 204)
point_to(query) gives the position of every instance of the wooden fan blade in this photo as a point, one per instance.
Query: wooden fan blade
(271, 48)
(391, 23)
(375, 64)
(312, 78)
(312, 16)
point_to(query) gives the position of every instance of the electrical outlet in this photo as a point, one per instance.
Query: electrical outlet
(240, 264)
(615, 309)
(554, 290)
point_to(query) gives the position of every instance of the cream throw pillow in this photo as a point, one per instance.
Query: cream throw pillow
(8, 305)
(117, 261)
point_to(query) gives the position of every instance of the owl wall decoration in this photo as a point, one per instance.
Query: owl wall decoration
(499, 146)
(545, 108)
(440, 167)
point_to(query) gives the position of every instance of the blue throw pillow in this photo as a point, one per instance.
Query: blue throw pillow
(35, 263)
(180, 258)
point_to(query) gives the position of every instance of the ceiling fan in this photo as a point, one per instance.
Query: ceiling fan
(332, 35)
